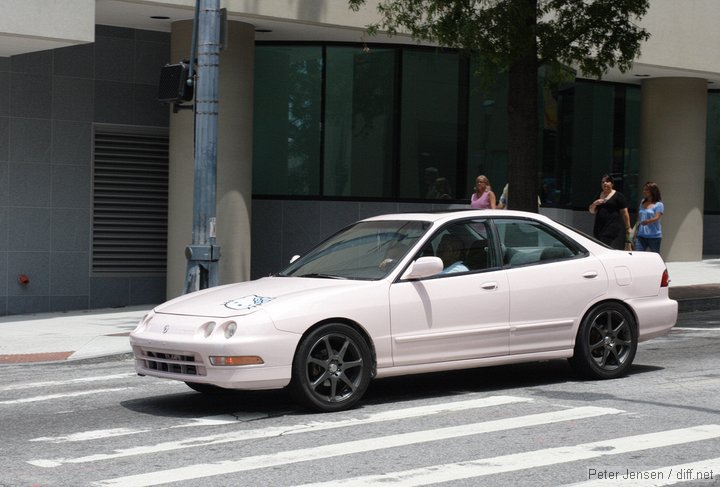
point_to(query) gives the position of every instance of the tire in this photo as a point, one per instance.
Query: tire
(207, 388)
(606, 342)
(331, 369)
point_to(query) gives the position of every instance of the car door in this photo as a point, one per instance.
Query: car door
(453, 316)
(552, 279)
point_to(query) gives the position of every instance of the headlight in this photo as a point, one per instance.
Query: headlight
(144, 323)
(209, 327)
(230, 329)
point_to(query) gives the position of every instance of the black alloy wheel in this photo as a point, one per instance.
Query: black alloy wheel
(331, 369)
(606, 342)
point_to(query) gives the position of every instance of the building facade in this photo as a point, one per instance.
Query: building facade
(320, 125)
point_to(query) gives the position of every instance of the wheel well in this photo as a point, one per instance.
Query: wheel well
(619, 302)
(352, 324)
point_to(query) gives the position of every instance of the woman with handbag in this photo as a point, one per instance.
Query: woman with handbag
(649, 230)
(612, 220)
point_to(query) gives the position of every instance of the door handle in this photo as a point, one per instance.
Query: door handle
(489, 286)
(590, 275)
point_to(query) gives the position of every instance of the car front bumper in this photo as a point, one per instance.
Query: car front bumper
(185, 353)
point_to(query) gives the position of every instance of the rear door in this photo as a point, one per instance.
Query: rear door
(552, 279)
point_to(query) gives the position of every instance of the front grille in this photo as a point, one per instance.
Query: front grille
(174, 363)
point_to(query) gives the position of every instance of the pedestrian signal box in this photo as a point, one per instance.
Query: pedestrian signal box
(174, 86)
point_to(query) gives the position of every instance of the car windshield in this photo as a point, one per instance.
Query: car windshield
(367, 250)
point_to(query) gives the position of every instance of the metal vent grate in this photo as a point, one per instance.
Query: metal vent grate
(130, 198)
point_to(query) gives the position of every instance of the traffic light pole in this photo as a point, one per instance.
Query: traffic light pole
(203, 253)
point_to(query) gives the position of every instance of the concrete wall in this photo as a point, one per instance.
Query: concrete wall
(234, 161)
(36, 25)
(49, 101)
(672, 154)
(684, 35)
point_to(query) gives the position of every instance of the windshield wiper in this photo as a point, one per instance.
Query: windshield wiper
(322, 276)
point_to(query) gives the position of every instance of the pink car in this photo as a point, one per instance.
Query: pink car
(414, 293)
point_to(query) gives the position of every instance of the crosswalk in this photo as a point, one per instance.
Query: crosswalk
(521, 461)
(415, 439)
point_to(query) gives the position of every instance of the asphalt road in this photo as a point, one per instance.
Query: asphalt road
(532, 424)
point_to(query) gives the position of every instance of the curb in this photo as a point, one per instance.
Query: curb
(688, 305)
(703, 297)
(110, 357)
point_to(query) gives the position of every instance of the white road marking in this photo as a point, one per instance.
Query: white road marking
(533, 459)
(243, 435)
(705, 470)
(82, 380)
(91, 435)
(113, 432)
(697, 329)
(50, 397)
(348, 448)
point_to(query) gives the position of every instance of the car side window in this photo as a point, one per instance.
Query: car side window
(526, 242)
(462, 246)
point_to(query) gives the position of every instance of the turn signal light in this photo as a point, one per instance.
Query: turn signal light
(236, 360)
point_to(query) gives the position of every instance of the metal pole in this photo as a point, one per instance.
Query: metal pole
(203, 254)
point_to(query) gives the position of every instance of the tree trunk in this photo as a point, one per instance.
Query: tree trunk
(523, 118)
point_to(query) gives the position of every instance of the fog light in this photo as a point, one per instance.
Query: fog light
(236, 360)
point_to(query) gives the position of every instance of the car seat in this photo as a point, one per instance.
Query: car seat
(477, 255)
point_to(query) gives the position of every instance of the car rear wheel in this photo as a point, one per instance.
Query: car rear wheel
(606, 342)
(331, 369)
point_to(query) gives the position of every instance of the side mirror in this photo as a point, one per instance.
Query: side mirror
(424, 267)
(294, 258)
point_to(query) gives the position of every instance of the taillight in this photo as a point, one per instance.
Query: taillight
(665, 281)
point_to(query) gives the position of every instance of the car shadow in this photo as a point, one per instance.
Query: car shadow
(192, 404)
(273, 403)
(485, 379)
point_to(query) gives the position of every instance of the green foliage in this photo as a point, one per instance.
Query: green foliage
(518, 37)
(595, 35)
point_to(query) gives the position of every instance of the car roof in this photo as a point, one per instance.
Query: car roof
(444, 216)
(454, 214)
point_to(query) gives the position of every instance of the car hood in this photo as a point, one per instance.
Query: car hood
(248, 297)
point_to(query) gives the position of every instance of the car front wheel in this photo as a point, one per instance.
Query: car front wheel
(606, 342)
(331, 369)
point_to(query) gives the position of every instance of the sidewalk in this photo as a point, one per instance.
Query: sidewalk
(73, 335)
(84, 335)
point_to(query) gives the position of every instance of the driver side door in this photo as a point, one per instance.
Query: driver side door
(453, 316)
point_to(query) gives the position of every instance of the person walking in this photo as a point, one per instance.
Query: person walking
(649, 232)
(611, 215)
(503, 202)
(483, 198)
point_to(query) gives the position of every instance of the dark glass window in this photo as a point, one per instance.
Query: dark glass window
(359, 122)
(287, 120)
(429, 124)
(631, 147)
(598, 132)
(487, 132)
(712, 157)
(412, 123)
